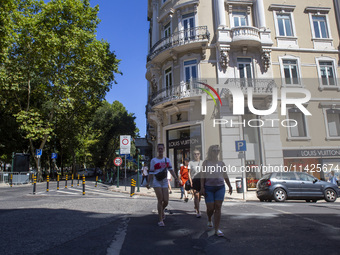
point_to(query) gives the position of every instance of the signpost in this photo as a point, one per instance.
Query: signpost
(241, 147)
(38, 153)
(125, 148)
(118, 162)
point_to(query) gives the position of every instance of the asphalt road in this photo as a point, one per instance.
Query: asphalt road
(105, 222)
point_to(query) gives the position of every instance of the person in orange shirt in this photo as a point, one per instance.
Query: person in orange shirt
(184, 179)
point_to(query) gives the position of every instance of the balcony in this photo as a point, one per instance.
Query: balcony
(259, 86)
(184, 40)
(176, 92)
(245, 35)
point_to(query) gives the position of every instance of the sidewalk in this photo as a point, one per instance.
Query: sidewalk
(176, 193)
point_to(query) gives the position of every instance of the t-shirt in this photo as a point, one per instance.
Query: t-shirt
(157, 165)
(145, 170)
(195, 168)
(214, 174)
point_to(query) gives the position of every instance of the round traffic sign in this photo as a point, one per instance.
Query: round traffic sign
(125, 141)
(118, 161)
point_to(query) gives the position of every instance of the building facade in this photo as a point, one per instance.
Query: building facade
(277, 53)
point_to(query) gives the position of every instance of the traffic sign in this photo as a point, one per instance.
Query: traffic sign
(125, 144)
(54, 156)
(118, 161)
(241, 145)
(38, 153)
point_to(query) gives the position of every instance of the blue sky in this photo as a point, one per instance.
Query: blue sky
(124, 25)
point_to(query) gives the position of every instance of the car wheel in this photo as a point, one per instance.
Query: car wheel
(308, 201)
(330, 195)
(314, 201)
(261, 200)
(280, 195)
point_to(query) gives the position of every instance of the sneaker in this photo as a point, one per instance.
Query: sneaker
(198, 215)
(186, 199)
(210, 224)
(219, 233)
(161, 224)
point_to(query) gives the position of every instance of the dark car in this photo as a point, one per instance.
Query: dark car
(295, 186)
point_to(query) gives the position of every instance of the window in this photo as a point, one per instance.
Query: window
(288, 176)
(188, 25)
(320, 27)
(167, 30)
(168, 81)
(190, 70)
(284, 25)
(327, 73)
(333, 122)
(297, 127)
(240, 19)
(290, 71)
(244, 68)
(305, 177)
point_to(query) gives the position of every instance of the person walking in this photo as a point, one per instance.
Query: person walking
(332, 178)
(160, 186)
(185, 179)
(169, 182)
(213, 188)
(145, 173)
(194, 170)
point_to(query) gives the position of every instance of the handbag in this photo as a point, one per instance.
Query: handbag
(162, 174)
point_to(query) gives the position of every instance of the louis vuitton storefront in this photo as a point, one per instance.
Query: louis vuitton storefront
(181, 142)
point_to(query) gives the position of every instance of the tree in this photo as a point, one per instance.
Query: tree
(55, 68)
(111, 121)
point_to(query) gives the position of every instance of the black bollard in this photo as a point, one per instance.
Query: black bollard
(72, 181)
(83, 185)
(48, 182)
(34, 184)
(58, 182)
(78, 180)
(133, 186)
(66, 181)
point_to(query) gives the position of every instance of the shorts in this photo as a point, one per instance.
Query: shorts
(214, 193)
(196, 184)
(160, 184)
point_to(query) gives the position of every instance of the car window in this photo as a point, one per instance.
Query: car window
(266, 176)
(288, 176)
(305, 177)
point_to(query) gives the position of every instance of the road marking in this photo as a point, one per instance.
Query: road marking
(305, 218)
(119, 238)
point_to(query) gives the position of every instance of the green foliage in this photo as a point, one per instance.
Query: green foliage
(54, 73)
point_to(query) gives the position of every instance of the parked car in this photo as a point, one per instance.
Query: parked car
(295, 186)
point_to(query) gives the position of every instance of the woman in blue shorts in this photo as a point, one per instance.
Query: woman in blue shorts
(213, 187)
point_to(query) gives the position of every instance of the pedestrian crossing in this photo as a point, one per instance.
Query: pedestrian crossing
(90, 191)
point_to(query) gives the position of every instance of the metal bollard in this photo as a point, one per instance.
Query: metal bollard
(48, 182)
(133, 186)
(72, 181)
(11, 180)
(34, 184)
(78, 180)
(96, 181)
(83, 185)
(66, 181)
(58, 182)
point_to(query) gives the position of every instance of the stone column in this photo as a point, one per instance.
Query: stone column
(155, 27)
(260, 14)
(220, 12)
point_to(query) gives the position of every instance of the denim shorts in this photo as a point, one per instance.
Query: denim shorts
(214, 193)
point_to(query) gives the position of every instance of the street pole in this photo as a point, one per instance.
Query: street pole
(138, 171)
(125, 173)
(118, 178)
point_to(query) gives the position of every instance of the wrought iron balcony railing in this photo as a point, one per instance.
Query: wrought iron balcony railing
(195, 34)
(259, 86)
(176, 92)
